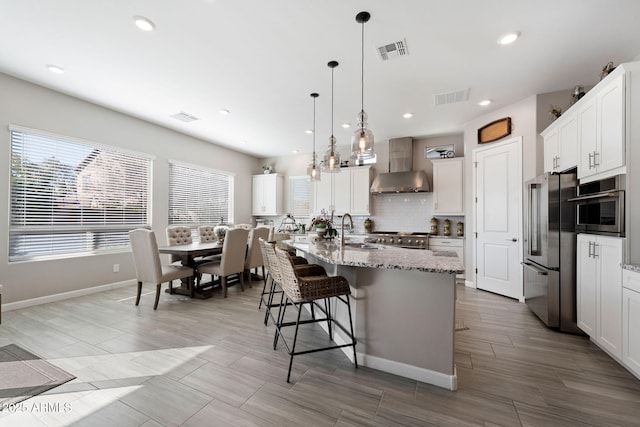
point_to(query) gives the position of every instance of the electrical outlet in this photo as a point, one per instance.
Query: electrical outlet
(116, 268)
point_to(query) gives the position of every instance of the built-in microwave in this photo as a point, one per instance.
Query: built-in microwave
(600, 206)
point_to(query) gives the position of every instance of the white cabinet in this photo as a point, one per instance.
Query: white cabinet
(561, 143)
(344, 192)
(450, 244)
(599, 290)
(448, 197)
(631, 321)
(267, 193)
(601, 129)
(447, 244)
(360, 190)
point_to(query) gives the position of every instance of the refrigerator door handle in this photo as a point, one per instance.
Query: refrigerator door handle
(538, 271)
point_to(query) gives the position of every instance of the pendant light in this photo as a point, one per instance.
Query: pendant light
(331, 161)
(313, 170)
(362, 139)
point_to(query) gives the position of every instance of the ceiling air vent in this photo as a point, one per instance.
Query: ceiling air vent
(393, 50)
(451, 97)
(184, 117)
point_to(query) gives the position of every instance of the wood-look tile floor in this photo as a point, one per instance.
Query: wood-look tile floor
(211, 362)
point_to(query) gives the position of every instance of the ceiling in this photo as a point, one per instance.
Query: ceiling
(261, 59)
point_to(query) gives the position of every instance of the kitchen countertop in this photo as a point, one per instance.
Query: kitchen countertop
(381, 256)
(631, 267)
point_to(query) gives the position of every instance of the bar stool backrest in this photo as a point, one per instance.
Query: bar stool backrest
(271, 260)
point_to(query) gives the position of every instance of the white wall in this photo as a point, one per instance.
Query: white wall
(523, 123)
(33, 106)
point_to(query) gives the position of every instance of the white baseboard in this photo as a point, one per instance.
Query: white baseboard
(450, 382)
(470, 284)
(65, 295)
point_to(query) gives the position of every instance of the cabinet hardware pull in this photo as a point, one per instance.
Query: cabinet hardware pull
(590, 253)
(595, 162)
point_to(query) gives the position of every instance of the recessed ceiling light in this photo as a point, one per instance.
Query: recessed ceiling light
(145, 24)
(407, 115)
(294, 151)
(309, 131)
(55, 69)
(243, 142)
(346, 125)
(224, 112)
(509, 38)
(484, 102)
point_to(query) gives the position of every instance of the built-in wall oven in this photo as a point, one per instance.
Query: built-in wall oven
(600, 207)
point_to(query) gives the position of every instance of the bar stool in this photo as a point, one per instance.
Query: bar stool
(301, 290)
(273, 276)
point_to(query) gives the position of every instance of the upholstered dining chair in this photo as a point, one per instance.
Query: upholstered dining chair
(232, 260)
(244, 226)
(207, 233)
(178, 235)
(149, 269)
(254, 257)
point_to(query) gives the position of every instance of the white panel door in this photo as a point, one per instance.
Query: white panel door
(498, 218)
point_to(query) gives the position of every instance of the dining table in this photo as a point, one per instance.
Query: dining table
(188, 255)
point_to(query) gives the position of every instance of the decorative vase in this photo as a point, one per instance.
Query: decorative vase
(321, 231)
(220, 231)
(368, 225)
(447, 227)
(266, 171)
(460, 229)
(434, 226)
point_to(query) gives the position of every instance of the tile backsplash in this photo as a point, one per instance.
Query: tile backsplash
(410, 212)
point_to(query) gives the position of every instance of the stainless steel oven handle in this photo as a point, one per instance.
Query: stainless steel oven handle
(538, 271)
(596, 196)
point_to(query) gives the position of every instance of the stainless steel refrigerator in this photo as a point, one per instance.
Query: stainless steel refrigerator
(550, 249)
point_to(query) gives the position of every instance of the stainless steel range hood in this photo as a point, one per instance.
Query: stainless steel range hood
(401, 178)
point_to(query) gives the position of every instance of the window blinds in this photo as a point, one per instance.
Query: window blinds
(199, 196)
(71, 197)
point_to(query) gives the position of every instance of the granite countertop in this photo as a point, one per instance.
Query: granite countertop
(631, 267)
(381, 256)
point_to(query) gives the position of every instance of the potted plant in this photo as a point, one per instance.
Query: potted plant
(323, 225)
(267, 168)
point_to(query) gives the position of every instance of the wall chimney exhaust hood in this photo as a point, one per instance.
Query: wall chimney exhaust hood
(401, 178)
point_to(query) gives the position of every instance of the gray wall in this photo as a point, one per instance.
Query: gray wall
(33, 106)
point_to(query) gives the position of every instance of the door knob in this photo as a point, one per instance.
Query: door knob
(512, 239)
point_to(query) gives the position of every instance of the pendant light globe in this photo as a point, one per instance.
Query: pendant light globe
(331, 160)
(362, 140)
(313, 170)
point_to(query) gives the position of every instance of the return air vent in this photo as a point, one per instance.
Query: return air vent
(184, 117)
(451, 97)
(393, 50)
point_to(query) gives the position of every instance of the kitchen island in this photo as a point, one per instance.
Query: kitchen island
(403, 302)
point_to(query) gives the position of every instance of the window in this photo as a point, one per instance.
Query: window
(71, 197)
(199, 196)
(299, 195)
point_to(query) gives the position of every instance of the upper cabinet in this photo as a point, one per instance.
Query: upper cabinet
(267, 193)
(601, 129)
(598, 129)
(343, 192)
(448, 197)
(561, 143)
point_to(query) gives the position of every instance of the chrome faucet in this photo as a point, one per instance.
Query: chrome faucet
(342, 227)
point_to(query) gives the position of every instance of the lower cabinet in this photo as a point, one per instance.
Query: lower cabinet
(449, 244)
(631, 321)
(599, 290)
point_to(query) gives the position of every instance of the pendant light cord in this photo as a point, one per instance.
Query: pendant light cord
(314, 129)
(332, 137)
(362, 72)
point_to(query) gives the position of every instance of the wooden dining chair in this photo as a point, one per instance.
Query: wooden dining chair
(232, 260)
(149, 269)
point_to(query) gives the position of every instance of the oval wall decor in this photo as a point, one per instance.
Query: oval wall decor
(494, 130)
